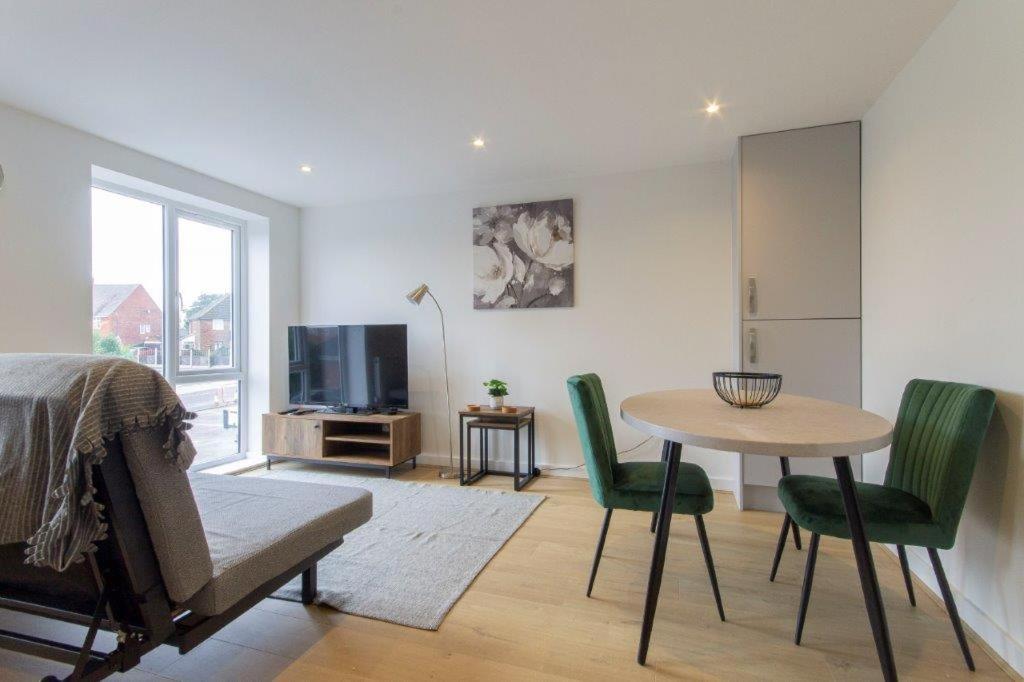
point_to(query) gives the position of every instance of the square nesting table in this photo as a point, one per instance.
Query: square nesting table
(486, 420)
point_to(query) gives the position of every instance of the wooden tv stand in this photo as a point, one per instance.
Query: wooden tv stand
(380, 441)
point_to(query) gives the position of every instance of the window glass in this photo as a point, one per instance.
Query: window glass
(127, 277)
(215, 429)
(205, 279)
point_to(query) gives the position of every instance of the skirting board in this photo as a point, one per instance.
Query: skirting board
(1000, 644)
(721, 483)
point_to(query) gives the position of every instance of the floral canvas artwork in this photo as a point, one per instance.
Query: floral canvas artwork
(523, 255)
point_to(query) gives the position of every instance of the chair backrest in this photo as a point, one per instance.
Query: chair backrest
(595, 428)
(935, 444)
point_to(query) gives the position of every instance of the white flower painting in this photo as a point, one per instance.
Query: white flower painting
(523, 255)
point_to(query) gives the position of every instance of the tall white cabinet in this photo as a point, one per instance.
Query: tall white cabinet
(799, 275)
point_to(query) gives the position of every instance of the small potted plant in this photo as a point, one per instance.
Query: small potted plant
(497, 389)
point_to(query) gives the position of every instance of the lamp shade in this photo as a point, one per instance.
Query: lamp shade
(417, 294)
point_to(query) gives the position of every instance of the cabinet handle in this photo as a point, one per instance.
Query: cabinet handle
(752, 346)
(316, 425)
(752, 295)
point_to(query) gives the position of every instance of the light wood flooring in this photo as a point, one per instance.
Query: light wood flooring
(526, 616)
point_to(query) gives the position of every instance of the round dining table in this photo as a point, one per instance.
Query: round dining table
(790, 426)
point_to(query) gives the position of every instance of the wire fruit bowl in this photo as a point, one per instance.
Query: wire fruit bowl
(747, 389)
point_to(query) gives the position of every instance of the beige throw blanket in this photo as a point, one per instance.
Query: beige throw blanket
(56, 411)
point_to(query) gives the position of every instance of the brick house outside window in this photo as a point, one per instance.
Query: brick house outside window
(127, 312)
(208, 330)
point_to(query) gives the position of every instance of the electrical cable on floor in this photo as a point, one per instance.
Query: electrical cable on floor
(643, 442)
(621, 452)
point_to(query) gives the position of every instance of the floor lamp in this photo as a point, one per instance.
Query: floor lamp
(416, 297)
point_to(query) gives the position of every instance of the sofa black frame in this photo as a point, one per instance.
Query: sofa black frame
(118, 588)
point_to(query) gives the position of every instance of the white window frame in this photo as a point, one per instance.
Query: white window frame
(172, 210)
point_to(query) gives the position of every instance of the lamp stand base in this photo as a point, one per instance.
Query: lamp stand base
(447, 473)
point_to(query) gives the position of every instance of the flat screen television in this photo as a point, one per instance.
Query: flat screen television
(364, 366)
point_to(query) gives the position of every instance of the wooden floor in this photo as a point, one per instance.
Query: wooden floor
(526, 616)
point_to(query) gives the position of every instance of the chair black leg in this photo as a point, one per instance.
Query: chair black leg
(779, 546)
(954, 615)
(905, 565)
(600, 549)
(787, 525)
(706, 548)
(664, 458)
(309, 585)
(805, 594)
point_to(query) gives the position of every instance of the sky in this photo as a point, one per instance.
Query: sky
(127, 248)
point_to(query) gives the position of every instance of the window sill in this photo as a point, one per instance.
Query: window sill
(238, 466)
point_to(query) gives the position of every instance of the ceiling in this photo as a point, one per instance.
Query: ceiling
(383, 98)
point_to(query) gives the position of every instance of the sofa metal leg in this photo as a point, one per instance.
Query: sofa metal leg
(309, 585)
(85, 654)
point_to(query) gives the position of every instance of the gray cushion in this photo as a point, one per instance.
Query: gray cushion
(258, 528)
(172, 517)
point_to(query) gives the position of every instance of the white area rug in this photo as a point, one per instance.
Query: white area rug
(423, 547)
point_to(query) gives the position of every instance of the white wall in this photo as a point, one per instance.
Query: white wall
(45, 247)
(653, 297)
(943, 280)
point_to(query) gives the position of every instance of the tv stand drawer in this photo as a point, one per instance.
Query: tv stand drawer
(292, 437)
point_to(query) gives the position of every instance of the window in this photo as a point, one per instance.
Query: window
(167, 292)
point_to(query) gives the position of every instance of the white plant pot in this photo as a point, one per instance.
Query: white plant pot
(497, 401)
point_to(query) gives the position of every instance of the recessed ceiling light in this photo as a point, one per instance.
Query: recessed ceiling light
(305, 168)
(712, 108)
(478, 142)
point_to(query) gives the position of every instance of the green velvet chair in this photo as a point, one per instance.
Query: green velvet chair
(633, 485)
(935, 445)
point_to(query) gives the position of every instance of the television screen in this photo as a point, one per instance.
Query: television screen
(360, 366)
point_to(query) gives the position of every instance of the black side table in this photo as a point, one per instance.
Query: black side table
(485, 420)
